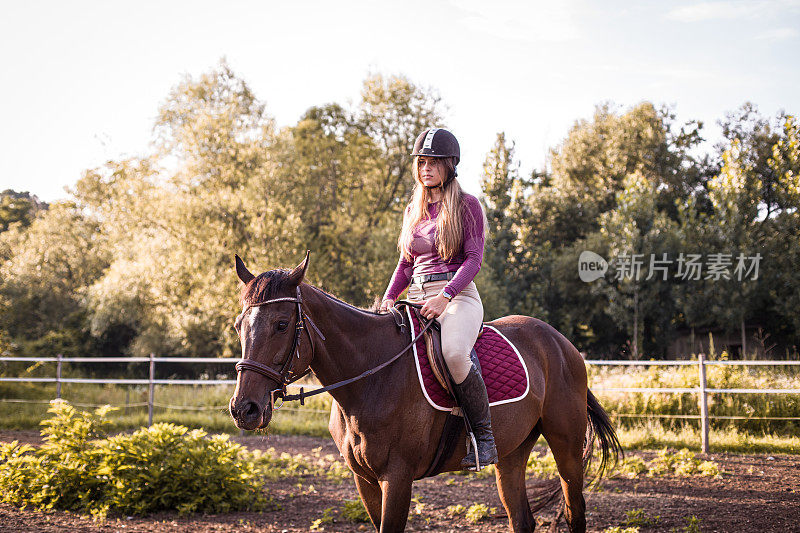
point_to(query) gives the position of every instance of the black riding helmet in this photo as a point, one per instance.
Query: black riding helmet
(438, 142)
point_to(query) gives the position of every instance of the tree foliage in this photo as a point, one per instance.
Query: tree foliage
(144, 264)
(633, 187)
(138, 260)
(18, 208)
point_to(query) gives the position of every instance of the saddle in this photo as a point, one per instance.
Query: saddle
(432, 338)
(498, 360)
(456, 423)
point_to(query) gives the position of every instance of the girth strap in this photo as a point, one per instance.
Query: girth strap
(448, 441)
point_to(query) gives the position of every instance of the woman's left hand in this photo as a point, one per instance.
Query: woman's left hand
(434, 307)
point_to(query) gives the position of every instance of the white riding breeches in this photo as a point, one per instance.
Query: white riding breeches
(461, 322)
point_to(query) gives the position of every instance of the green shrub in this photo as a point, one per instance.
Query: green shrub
(682, 464)
(476, 513)
(273, 465)
(327, 518)
(692, 525)
(542, 466)
(355, 511)
(631, 467)
(638, 518)
(455, 510)
(165, 467)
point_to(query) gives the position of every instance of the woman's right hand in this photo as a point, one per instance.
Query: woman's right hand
(385, 305)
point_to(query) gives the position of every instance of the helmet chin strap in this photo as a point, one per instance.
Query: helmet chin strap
(444, 184)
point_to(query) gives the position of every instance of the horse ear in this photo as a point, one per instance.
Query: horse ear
(299, 272)
(241, 271)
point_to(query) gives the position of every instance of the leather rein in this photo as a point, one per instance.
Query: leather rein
(286, 377)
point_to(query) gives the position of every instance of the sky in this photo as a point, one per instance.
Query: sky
(83, 80)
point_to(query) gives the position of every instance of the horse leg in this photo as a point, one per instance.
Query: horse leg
(510, 475)
(396, 500)
(370, 493)
(565, 432)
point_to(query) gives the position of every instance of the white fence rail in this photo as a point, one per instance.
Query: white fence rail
(702, 390)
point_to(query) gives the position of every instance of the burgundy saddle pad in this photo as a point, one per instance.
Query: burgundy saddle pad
(503, 369)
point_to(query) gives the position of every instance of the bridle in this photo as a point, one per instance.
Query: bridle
(286, 376)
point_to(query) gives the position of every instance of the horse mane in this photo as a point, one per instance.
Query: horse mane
(372, 310)
(268, 284)
(265, 286)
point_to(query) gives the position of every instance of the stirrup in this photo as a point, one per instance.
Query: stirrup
(472, 446)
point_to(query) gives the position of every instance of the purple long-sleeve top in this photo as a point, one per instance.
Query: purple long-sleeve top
(426, 260)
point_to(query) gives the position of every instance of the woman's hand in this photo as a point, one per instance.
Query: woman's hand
(434, 307)
(385, 305)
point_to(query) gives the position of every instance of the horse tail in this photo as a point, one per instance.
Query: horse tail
(602, 429)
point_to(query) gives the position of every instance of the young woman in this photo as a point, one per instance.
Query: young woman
(441, 250)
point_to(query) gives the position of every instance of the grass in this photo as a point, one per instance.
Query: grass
(192, 406)
(455, 510)
(653, 436)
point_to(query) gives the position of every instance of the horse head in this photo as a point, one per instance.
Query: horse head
(270, 328)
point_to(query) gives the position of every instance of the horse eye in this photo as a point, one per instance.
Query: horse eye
(282, 325)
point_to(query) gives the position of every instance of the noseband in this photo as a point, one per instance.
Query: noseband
(285, 376)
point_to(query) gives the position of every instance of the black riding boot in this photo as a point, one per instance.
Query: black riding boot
(471, 395)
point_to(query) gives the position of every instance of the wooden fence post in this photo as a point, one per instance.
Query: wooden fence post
(152, 391)
(58, 377)
(703, 405)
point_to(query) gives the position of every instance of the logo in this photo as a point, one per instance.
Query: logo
(591, 266)
(429, 139)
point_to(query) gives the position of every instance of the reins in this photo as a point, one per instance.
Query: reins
(283, 379)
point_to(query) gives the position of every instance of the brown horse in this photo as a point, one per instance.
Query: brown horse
(383, 426)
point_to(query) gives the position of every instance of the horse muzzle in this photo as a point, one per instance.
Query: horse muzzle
(249, 415)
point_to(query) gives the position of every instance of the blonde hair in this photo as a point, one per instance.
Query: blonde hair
(450, 221)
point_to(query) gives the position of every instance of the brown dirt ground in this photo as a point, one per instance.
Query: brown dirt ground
(755, 493)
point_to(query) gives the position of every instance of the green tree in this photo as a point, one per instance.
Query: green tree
(18, 208)
(41, 284)
(350, 178)
(691, 289)
(750, 210)
(175, 218)
(500, 183)
(222, 180)
(735, 232)
(782, 248)
(392, 112)
(639, 238)
(567, 202)
(589, 167)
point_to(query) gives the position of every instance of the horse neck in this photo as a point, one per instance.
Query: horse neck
(355, 341)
